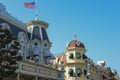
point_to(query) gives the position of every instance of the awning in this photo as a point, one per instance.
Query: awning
(46, 54)
(52, 56)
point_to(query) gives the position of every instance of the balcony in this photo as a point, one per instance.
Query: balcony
(39, 70)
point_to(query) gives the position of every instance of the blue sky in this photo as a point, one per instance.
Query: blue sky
(95, 22)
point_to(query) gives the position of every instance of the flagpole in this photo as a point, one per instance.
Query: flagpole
(36, 10)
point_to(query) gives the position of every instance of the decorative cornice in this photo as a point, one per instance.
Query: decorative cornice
(74, 48)
(36, 22)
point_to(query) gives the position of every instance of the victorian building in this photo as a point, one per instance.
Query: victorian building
(36, 63)
(79, 67)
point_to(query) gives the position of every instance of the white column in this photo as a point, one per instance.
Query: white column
(36, 78)
(18, 76)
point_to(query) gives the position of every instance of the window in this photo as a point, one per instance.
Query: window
(78, 56)
(36, 31)
(79, 72)
(23, 43)
(71, 56)
(85, 72)
(71, 72)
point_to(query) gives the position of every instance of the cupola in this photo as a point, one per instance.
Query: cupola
(75, 44)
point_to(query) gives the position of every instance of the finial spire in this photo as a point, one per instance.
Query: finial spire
(36, 17)
(36, 10)
(75, 37)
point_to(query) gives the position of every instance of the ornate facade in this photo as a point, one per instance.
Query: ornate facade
(79, 67)
(34, 48)
(38, 61)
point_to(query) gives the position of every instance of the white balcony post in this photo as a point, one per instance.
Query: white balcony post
(18, 76)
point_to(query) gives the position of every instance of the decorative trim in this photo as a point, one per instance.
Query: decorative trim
(42, 71)
(29, 68)
(54, 74)
(34, 22)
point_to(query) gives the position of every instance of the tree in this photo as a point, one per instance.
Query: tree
(9, 47)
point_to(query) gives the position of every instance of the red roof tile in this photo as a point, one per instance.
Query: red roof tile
(75, 43)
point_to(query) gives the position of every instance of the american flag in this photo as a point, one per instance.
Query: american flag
(29, 5)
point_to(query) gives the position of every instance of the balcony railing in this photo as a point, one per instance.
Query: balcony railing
(39, 70)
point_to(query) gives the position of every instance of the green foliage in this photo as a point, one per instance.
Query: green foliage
(9, 47)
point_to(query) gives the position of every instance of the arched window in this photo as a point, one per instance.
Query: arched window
(71, 56)
(36, 31)
(78, 56)
(79, 72)
(71, 72)
(23, 43)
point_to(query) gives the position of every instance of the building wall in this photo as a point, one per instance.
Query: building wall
(89, 70)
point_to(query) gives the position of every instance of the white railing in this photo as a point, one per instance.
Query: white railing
(39, 70)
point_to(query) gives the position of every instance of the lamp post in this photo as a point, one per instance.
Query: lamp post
(18, 75)
(19, 65)
(88, 69)
(75, 75)
(37, 60)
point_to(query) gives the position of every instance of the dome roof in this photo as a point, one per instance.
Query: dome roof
(76, 43)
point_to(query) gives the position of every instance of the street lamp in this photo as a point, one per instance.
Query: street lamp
(88, 70)
(37, 60)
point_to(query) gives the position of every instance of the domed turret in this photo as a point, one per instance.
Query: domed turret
(75, 44)
(37, 30)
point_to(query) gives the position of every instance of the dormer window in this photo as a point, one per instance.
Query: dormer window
(36, 31)
(22, 40)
